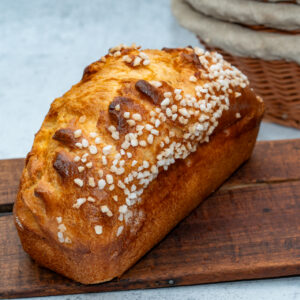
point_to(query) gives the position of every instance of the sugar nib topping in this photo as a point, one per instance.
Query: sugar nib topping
(173, 129)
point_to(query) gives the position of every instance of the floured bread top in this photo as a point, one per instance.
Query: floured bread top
(134, 114)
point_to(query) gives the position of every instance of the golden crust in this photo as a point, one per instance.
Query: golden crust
(75, 225)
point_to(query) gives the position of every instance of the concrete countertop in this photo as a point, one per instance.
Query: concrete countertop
(44, 47)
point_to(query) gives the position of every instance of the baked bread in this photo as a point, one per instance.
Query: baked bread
(127, 153)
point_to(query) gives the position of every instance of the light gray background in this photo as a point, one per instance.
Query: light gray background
(44, 47)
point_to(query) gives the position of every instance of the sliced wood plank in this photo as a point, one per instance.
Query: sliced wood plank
(271, 161)
(248, 232)
(10, 173)
(248, 229)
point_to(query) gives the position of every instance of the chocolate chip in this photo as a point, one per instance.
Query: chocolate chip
(65, 136)
(170, 50)
(117, 116)
(192, 58)
(147, 89)
(63, 165)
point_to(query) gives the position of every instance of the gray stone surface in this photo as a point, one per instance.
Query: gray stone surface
(44, 47)
(276, 289)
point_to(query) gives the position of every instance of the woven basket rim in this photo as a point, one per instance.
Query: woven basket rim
(277, 82)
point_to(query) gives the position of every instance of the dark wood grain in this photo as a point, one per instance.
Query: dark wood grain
(10, 172)
(271, 162)
(285, 166)
(249, 228)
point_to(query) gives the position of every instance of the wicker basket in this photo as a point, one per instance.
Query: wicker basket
(276, 81)
(278, 2)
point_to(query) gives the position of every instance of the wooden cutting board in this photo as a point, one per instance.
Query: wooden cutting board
(249, 228)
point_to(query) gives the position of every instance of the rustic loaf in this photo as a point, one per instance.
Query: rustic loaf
(127, 153)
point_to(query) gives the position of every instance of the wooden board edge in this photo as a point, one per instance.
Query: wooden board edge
(188, 280)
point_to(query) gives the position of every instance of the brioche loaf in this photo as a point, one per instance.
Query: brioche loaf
(127, 153)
